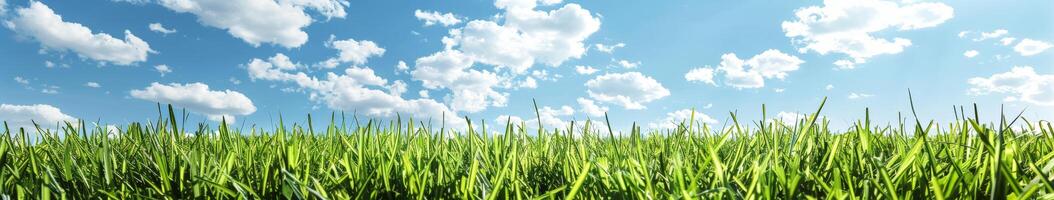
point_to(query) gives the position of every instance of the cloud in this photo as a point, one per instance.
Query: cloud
(609, 48)
(828, 87)
(351, 51)
(357, 90)
(585, 70)
(157, 27)
(630, 90)
(550, 117)
(674, 119)
(790, 117)
(627, 64)
(198, 98)
(1029, 47)
(21, 80)
(23, 116)
(702, 75)
(848, 27)
(433, 17)
(41, 23)
(589, 107)
(1007, 41)
(526, 36)
(260, 21)
(92, 85)
(163, 69)
(749, 73)
(1022, 83)
(402, 67)
(971, 53)
(472, 90)
(989, 35)
(854, 95)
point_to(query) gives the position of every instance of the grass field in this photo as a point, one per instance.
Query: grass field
(1003, 158)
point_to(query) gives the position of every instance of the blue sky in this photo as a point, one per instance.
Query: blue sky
(639, 61)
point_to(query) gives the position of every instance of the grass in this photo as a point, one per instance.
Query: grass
(968, 159)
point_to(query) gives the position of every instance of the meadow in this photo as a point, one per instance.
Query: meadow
(1011, 158)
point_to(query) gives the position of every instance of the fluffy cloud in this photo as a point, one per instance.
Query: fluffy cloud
(433, 17)
(630, 89)
(589, 107)
(526, 36)
(21, 80)
(971, 53)
(703, 75)
(472, 90)
(673, 119)
(854, 95)
(627, 64)
(847, 26)
(197, 97)
(1022, 83)
(163, 69)
(585, 70)
(550, 117)
(989, 35)
(23, 116)
(260, 21)
(749, 73)
(351, 51)
(92, 85)
(41, 23)
(157, 27)
(1029, 47)
(609, 48)
(358, 89)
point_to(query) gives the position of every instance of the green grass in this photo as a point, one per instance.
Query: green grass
(1009, 158)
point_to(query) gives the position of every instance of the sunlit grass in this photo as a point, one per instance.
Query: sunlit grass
(967, 159)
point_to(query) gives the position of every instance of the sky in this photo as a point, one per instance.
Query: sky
(250, 62)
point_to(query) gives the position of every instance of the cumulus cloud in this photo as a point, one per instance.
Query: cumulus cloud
(971, 53)
(1021, 83)
(750, 73)
(608, 48)
(472, 90)
(432, 17)
(92, 85)
(848, 26)
(627, 64)
(163, 69)
(702, 75)
(42, 24)
(674, 119)
(23, 116)
(198, 98)
(351, 51)
(589, 107)
(357, 89)
(278, 22)
(585, 70)
(989, 35)
(1029, 47)
(630, 90)
(157, 27)
(854, 95)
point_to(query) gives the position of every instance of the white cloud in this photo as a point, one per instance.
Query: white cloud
(92, 85)
(828, 87)
(779, 90)
(609, 48)
(526, 36)
(23, 116)
(433, 17)
(1007, 41)
(962, 34)
(627, 64)
(1029, 47)
(585, 70)
(197, 97)
(971, 53)
(48, 90)
(21, 80)
(358, 90)
(989, 35)
(423, 93)
(550, 117)
(854, 95)
(675, 118)
(260, 21)
(790, 117)
(402, 67)
(752, 73)
(41, 23)
(472, 90)
(163, 69)
(157, 27)
(529, 82)
(630, 90)
(351, 51)
(589, 107)
(703, 75)
(1022, 83)
(847, 27)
